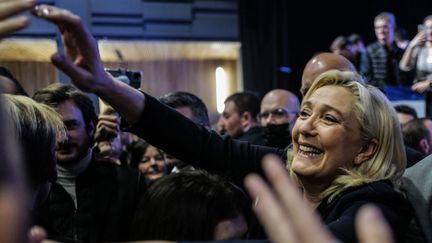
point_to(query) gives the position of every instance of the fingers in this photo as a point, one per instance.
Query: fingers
(284, 213)
(37, 234)
(107, 128)
(56, 15)
(11, 8)
(291, 198)
(371, 226)
(79, 75)
(70, 26)
(270, 211)
(10, 26)
(420, 87)
(109, 121)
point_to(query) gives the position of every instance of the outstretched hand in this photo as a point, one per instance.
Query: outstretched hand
(82, 62)
(84, 66)
(284, 214)
(9, 23)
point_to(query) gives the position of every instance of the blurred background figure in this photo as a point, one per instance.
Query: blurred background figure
(149, 160)
(401, 38)
(342, 46)
(417, 134)
(405, 113)
(358, 48)
(379, 64)
(418, 57)
(14, 197)
(9, 84)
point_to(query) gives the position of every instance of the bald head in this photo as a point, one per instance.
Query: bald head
(321, 63)
(278, 107)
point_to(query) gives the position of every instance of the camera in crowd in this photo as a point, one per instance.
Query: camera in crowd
(131, 77)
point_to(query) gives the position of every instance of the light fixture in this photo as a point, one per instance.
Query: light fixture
(221, 88)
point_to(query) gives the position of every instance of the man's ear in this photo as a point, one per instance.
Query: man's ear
(246, 118)
(424, 146)
(367, 151)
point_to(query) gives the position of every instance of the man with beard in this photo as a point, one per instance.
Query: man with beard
(91, 201)
(278, 114)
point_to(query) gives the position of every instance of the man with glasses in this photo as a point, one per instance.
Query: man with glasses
(278, 114)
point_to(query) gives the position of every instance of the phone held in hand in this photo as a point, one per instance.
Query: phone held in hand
(131, 77)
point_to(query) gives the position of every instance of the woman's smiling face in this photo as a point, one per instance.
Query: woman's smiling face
(326, 135)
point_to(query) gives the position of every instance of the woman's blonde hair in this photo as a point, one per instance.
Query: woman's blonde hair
(378, 120)
(37, 127)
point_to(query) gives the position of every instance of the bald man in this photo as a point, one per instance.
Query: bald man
(277, 116)
(279, 107)
(321, 63)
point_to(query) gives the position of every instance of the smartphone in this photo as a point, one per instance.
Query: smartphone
(131, 77)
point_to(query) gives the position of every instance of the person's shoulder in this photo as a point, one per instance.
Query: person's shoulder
(373, 47)
(378, 191)
(423, 167)
(418, 177)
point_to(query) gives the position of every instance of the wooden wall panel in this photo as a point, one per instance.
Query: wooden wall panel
(32, 75)
(197, 77)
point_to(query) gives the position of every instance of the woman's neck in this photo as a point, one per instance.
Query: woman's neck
(312, 192)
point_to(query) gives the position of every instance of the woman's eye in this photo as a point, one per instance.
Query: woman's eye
(303, 114)
(330, 118)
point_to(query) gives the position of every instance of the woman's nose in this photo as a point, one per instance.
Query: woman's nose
(307, 126)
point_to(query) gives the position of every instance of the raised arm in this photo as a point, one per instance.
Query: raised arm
(409, 58)
(84, 65)
(157, 124)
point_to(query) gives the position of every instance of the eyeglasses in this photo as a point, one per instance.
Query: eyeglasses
(276, 113)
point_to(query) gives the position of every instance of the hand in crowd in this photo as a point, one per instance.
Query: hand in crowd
(418, 40)
(421, 86)
(82, 63)
(9, 23)
(108, 125)
(284, 214)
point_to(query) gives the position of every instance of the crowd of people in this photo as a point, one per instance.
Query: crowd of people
(343, 161)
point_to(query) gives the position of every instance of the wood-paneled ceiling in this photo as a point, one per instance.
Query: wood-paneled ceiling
(115, 51)
(168, 50)
(36, 50)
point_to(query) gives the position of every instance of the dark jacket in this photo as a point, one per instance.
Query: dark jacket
(107, 195)
(380, 66)
(339, 215)
(254, 136)
(207, 150)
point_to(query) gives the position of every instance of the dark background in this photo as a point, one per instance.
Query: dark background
(278, 33)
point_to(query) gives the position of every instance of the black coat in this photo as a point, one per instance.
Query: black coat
(339, 215)
(107, 195)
